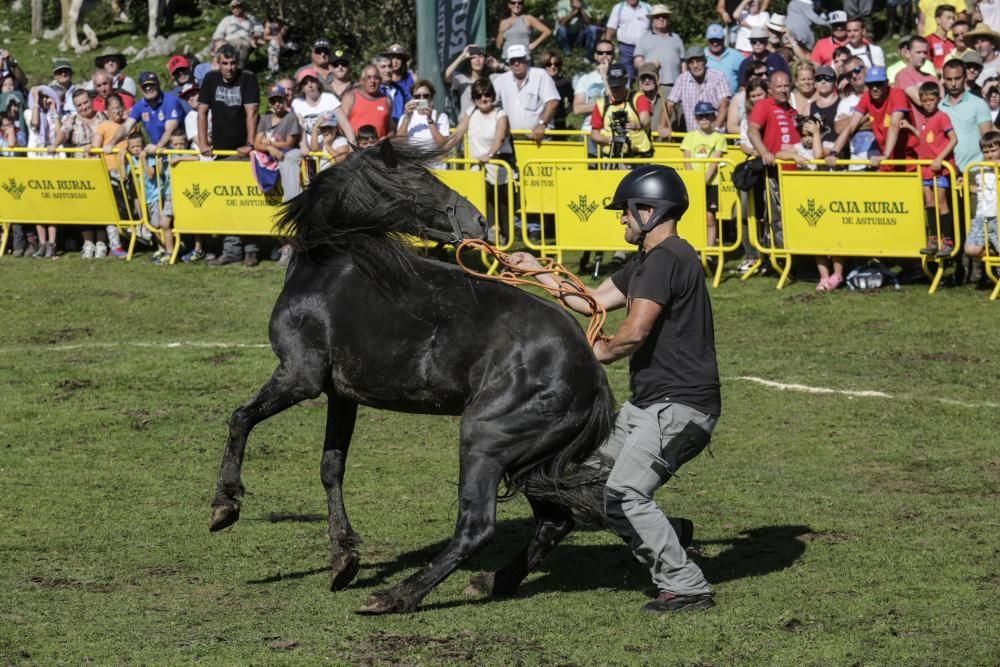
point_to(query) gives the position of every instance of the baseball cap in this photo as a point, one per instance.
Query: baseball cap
(876, 75)
(176, 63)
(60, 63)
(305, 72)
(276, 91)
(188, 88)
(233, 3)
(148, 77)
(693, 52)
(837, 17)
(826, 70)
(329, 122)
(649, 69)
(339, 56)
(321, 44)
(715, 31)
(705, 109)
(517, 51)
(617, 75)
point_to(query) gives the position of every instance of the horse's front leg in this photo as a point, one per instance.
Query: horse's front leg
(283, 390)
(344, 561)
(477, 503)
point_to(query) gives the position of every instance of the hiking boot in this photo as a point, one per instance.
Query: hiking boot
(250, 260)
(947, 247)
(88, 250)
(100, 250)
(225, 260)
(931, 248)
(667, 602)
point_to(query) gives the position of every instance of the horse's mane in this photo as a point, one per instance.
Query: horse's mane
(363, 205)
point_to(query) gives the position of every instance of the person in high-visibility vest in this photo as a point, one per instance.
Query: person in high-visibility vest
(619, 123)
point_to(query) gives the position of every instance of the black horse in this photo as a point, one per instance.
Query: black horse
(368, 322)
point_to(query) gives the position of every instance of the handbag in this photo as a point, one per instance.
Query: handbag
(747, 174)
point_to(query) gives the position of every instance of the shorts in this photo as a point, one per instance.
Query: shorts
(942, 182)
(712, 198)
(977, 231)
(155, 212)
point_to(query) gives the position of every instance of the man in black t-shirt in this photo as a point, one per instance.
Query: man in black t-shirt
(232, 95)
(674, 379)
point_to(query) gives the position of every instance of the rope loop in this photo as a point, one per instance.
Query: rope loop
(569, 283)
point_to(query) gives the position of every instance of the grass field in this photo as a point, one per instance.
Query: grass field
(837, 529)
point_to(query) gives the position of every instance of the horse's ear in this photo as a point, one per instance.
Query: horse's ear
(388, 154)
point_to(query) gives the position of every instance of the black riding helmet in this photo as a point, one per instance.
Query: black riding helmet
(653, 185)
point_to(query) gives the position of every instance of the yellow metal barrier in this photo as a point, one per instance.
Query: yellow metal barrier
(991, 260)
(579, 194)
(856, 214)
(47, 191)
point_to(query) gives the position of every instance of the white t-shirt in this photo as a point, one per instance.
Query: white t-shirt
(629, 22)
(191, 127)
(524, 104)
(758, 20)
(482, 132)
(986, 198)
(419, 129)
(310, 114)
(591, 86)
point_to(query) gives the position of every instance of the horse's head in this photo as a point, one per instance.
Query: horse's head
(439, 213)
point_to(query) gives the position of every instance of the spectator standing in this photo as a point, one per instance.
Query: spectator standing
(862, 140)
(232, 95)
(368, 105)
(824, 104)
(822, 53)
(77, 129)
(970, 115)
(189, 95)
(910, 77)
(10, 67)
(43, 117)
(959, 29)
(926, 10)
(180, 71)
(699, 84)
(114, 64)
(279, 135)
(516, 28)
(720, 57)
(101, 84)
(800, 21)
(805, 87)
(986, 42)
(935, 141)
(753, 16)
(760, 55)
(421, 122)
(638, 142)
(660, 46)
(871, 54)
(592, 86)
(160, 113)
(62, 83)
(402, 76)
(103, 133)
(155, 173)
(899, 14)
(973, 66)
(552, 64)
(706, 142)
(201, 69)
(237, 30)
(983, 228)
(527, 94)
(771, 130)
(887, 107)
(315, 105)
(904, 59)
(862, 11)
(649, 86)
(390, 89)
(460, 78)
(575, 26)
(342, 80)
(939, 44)
(629, 21)
(321, 68)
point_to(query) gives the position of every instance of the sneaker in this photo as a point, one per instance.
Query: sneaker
(50, 251)
(193, 256)
(250, 260)
(947, 247)
(745, 266)
(162, 260)
(931, 248)
(88, 250)
(160, 252)
(667, 602)
(118, 251)
(39, 251)
(17, 252)
(100, 250)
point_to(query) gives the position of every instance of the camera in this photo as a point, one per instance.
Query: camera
(619, 119)
(422, 105)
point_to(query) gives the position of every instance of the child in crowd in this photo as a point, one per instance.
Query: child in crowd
(831, 269)
(179, 142)
(706, 142)
(983, 228)
(105, 130)
(44, 117)
(155, 174)
(326, 138)
(367, 136)
(935, 141)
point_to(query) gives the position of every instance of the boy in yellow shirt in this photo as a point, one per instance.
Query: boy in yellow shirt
(706, 142)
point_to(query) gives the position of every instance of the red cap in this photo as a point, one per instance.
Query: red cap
(176, 63)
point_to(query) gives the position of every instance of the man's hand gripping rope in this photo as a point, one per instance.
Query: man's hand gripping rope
(569, 285)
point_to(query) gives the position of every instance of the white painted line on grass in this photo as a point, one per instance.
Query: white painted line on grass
(806, 389)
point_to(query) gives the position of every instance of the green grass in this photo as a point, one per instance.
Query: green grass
(836, 530)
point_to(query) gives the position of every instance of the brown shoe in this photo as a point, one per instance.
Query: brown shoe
(224, 260)
(250, 260)
(669, 602)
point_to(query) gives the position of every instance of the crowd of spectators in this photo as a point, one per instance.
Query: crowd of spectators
(811, 87)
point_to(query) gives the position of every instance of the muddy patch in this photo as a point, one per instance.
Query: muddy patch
(57, 583)
(61, 336)
(221, 358)
(68, 388)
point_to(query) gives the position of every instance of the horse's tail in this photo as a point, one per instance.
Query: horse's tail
(565, 479)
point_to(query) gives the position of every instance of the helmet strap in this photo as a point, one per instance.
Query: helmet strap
(660, 209)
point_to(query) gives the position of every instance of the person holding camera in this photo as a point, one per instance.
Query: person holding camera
(619, 125)
(421, 121)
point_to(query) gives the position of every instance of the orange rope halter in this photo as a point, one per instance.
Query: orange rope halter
(595, 330)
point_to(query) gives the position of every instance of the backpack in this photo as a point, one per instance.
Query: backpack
(871, 276)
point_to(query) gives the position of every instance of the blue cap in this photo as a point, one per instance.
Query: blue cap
(704, 109)
(148, 77)
(876, 75)
(715, 31)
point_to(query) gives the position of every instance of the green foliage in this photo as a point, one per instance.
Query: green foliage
(836, 530)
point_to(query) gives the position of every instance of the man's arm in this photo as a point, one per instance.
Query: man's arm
(206, 148)
(891, 137)
(123, 131)
(345, 125)
(753, 133)
(606, 294)
(641, 318)
(251, 128)
(844, 136)
(168, 129)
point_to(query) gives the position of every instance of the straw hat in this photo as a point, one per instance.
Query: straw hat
(982, 30)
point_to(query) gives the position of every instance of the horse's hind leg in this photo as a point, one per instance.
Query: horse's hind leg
(285, 388)
(477, 503)
(340, 417)
(553, 522)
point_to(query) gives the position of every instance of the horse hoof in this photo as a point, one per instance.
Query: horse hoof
(224, 516)
(343, 568)
(480, 585)
(383, 603)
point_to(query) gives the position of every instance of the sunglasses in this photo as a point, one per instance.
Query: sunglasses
(422, 96)
(322, 52)
(518, 61)
(149, 86)
(484, 96)
(705, 116)
(604, 53)
(759, 40)
(858, 70)
(556, 65)
(340, 63)
(824, 77)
